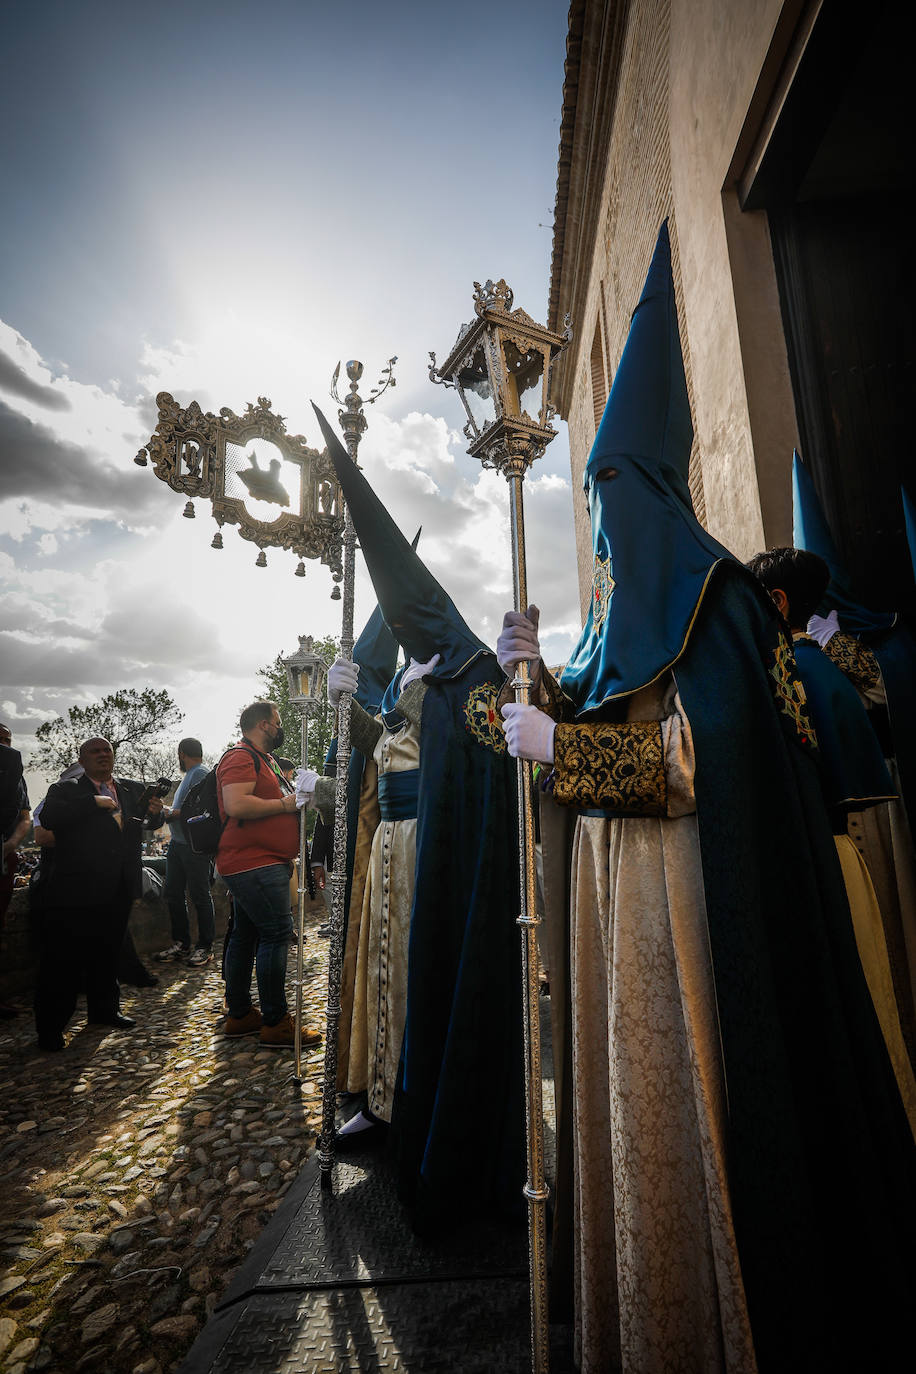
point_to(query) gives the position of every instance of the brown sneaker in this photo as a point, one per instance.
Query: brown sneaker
(243, 1025)
(282, 1036)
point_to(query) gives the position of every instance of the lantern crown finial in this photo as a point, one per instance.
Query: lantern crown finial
(493, 296)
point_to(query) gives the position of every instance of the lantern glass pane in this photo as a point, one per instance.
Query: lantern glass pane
(524, 381)
(474, 383)
(262, 476)
(305, 681)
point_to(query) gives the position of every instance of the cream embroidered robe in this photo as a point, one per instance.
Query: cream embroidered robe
(374, 974)
(657, 1277)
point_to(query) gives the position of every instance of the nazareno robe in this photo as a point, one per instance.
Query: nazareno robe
(820, 1164)
(458, 1124)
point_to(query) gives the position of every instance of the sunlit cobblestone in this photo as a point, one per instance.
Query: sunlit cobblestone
(138, 1168)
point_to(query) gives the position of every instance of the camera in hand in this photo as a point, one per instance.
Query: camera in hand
(160, 788)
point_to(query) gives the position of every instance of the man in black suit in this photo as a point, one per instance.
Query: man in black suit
(96, 876)
(14, 822)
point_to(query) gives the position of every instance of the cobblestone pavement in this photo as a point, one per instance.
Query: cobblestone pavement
(138, 1168)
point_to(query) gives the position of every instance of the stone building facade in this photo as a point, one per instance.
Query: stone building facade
(772, 135)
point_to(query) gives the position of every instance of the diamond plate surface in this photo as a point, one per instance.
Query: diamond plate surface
(458, 1327)
(340, 1284)
(361, 1232)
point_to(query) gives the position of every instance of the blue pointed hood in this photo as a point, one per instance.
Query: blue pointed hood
(422, 617)
(376, 652)
(909, 520)
(810, 531)
(651, 556)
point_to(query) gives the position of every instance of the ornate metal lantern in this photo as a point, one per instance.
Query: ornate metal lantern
(305, 672)
(500, 367)
(278, 491)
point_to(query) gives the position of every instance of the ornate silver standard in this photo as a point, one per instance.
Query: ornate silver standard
(500, 366)
(353, 423)
(305, 671)
(293, 502)
(219, 457)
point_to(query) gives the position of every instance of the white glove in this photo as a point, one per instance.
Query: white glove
(518, 640)
(529, 732)
(824, 627)
(415, 670)
(305, 786)
(342, 677)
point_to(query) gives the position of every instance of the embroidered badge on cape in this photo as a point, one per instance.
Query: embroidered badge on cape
(790, 694)
(603, 585)
(483, 719)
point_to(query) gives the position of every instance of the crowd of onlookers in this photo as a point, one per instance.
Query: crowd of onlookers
(97, 842)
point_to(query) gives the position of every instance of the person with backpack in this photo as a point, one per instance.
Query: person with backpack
(187, 872)
(257, 846)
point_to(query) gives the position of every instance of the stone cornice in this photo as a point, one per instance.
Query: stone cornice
(593, 49)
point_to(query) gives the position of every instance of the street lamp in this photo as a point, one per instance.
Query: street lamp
(500, 367)
(353, 423)
(305, 672)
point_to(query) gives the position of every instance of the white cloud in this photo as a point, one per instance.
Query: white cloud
(105, 586)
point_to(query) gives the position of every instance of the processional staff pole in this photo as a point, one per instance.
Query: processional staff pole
(306, 887)
(353, 423)
(500, 367)
(339, 871)
(203, 455)
(305, 677)
(535, 1190)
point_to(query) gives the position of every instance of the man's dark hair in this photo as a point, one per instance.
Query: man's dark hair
(255, 713)
(192, 747)
(286, 764)
(802, 575)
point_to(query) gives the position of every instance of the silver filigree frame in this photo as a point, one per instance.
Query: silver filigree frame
(188, 452)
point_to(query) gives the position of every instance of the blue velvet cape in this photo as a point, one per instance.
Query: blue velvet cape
(854, 773)
(821, 1162)
(889, 640)
(462, 1064)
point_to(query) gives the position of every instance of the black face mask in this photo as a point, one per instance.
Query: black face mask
(276, 741)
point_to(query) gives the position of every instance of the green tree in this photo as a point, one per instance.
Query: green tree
(134, 723)
(274, 686)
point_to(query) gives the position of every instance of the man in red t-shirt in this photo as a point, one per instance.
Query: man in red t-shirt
(254, 859)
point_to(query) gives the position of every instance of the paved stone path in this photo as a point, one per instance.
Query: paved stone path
(138, 1168)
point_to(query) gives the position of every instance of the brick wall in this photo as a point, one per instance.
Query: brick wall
(681, 102)
(637, 197)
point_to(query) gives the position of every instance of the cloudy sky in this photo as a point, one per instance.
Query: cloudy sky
(221, 200)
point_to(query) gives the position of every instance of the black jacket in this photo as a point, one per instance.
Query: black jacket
(95, 859)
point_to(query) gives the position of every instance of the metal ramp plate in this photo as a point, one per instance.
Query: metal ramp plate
(340, 1283)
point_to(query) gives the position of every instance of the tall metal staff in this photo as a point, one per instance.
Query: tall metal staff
(500, 366)
(305, 672)
(292, 502)
(353, 423)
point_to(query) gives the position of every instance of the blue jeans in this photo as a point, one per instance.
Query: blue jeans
(187, 871)
(263, 924)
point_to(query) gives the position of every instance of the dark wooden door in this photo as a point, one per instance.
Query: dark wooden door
(845, 272)
(837, 185)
